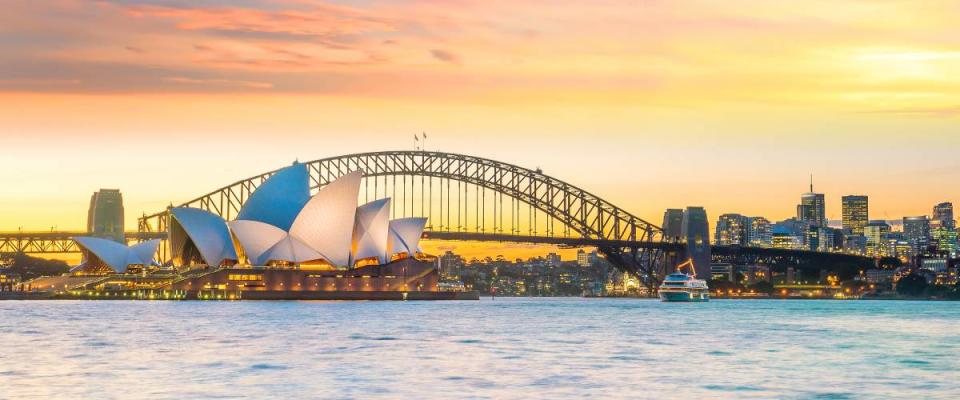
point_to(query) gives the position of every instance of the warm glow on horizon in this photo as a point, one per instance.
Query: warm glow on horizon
(651, 105)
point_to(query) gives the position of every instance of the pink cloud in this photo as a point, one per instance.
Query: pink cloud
(445, 56)
(322, 20)
(608, 49)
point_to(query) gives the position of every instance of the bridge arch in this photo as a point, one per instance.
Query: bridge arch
(584, 213)
(549, 202)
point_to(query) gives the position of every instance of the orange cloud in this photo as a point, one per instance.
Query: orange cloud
(220, 82)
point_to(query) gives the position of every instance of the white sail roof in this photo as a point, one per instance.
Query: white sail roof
(279, 199)
(256, 238)
(142, 253)
(370, 231)
(118, 256)
(290, 249)
(405, 235)
(208, 232)
(326, 222)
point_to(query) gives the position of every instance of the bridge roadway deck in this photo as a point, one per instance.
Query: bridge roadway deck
(57, 241)
(552, 240)
(61, 242)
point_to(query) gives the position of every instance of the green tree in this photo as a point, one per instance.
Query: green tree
(889, 263)
(32, 267)
(912, 285)
(761, 287)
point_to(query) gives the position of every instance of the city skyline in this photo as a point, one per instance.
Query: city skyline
(479, 198)
(705, 105)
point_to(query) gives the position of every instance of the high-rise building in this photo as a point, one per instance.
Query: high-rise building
(696, 234)
(916, 231)
(824, 239)
(731, 230)
(672, 224)
(583, 259)
(943, 215)
(945, 239)
(855, 244)
(594, 258)
(855, 214)
(450, 265)
(812, 208)
(782, 240)
(789, 234)
(897, 246)
(874, 232)
(105, 216)
(553, 259)
(759, 232)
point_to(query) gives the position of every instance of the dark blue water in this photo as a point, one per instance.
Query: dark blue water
(508, 348)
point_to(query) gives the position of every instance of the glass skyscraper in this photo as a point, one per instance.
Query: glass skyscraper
(855, 214)
(875, 231)
(943, 215)
(916, 230)
(812, 208)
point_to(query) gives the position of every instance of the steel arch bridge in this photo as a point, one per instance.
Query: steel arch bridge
(473, 198)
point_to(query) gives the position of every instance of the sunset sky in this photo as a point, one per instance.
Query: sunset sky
(650, 104)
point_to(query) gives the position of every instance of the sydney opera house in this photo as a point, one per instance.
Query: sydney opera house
(283, 244)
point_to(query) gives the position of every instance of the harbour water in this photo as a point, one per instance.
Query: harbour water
(507, 348)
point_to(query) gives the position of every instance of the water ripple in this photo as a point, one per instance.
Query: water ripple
(503, 349)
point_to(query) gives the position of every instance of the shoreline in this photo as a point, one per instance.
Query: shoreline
(204, 295)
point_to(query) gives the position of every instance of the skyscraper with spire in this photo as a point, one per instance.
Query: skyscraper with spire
(812, 208)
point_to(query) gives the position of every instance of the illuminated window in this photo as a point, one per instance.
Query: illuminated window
(245, 277)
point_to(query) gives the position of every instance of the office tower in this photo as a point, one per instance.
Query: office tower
(731, 230)
(945, 239)
(943, 215)
(583, 260)
(105, 216)
(916, 231)
(789, 234)
(812, 208)
(594, 258)
(672, 224)
(855, 214)
(553, 260)
(823, 239)
(875, 231)
(856, 244)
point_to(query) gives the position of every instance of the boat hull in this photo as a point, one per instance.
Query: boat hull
(684, 297)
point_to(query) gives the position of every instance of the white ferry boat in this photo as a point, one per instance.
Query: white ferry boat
(680, 286)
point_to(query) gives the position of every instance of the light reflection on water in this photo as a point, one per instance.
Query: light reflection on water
(508, 348)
